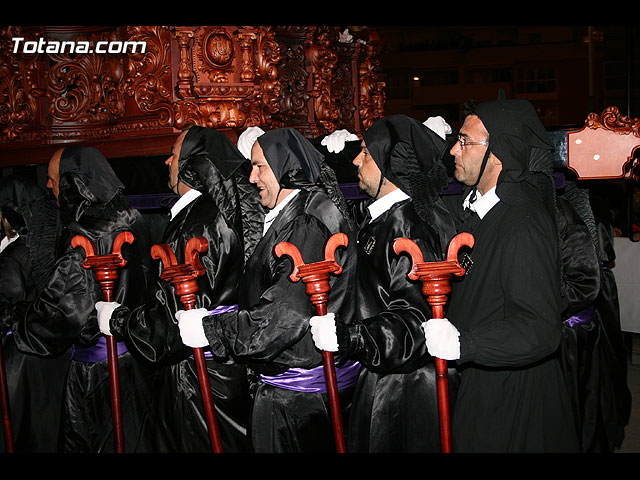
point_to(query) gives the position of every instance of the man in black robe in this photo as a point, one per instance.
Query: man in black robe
(27, 253)
(216, 202)
(504, 324)
(92, 204)
(395, 407)
(270, 330)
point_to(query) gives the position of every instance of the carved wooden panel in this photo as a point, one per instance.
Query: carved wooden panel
(605, 146)
(133, 102)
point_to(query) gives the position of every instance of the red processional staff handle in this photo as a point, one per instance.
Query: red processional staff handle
(316, 279)
(105, 268)
(435, 277)
(184, 280)
(6, 410)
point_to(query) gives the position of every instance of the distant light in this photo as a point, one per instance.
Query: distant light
(416, 78)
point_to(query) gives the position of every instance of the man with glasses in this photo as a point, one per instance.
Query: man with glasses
(504, 324)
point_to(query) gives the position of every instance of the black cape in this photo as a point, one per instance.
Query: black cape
(512, 395)
(64, 316)
(35, 384)
(223, 215)
(395, 405)
(153, 333)
(270, 332)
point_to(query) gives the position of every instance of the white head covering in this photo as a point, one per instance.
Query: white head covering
(247, 139)
(438, 125)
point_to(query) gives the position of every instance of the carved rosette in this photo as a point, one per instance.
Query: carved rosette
(87, 87)
(19, 90)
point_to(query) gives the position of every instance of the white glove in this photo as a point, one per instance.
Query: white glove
(247, 139)
(105, 309)
(191, 328)
(442, 338)
(335, 141)
(323, 332)
(438, 125)
(345, 37)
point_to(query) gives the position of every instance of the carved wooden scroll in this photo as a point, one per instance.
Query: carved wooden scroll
(605, 146)
(132, 101)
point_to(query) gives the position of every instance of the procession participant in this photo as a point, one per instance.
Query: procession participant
(270, 330)
(92, 204)
(504, 326)
(395, 407)
(216, 202)
(616, 402)
(31, 226)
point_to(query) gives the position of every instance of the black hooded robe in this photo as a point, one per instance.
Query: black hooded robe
(35, 384)
(512, 395)
(64, 313)
(180, 424)
(210, 164)
(395, 407)
(270, 331)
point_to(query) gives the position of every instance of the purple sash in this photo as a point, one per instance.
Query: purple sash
(96, 353)
(582, 317)
(223, 309)
(313, 381)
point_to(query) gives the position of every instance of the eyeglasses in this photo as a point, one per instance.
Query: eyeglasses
(464, 142)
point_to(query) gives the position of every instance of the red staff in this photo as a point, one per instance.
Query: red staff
(184, 280)
(6, 410)
(316, 279)
(105, 268)
(435, 277)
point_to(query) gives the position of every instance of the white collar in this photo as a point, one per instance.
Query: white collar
(183, 201)
(4, 243)
(482, 203)
(273, 213)
(383, 204)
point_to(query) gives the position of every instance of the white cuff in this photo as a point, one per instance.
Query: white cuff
(191, 328)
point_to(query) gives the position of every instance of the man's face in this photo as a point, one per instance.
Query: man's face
(368, 173)
(53, 174)
(468, 159)
(264, 178)
(172, 163)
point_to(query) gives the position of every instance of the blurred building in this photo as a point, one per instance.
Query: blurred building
(567, 72)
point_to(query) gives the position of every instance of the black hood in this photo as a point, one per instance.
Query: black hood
(410, 155)
(88, 185)
(210, 163)
(29, 211)
(514, 132)
(297, 164)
